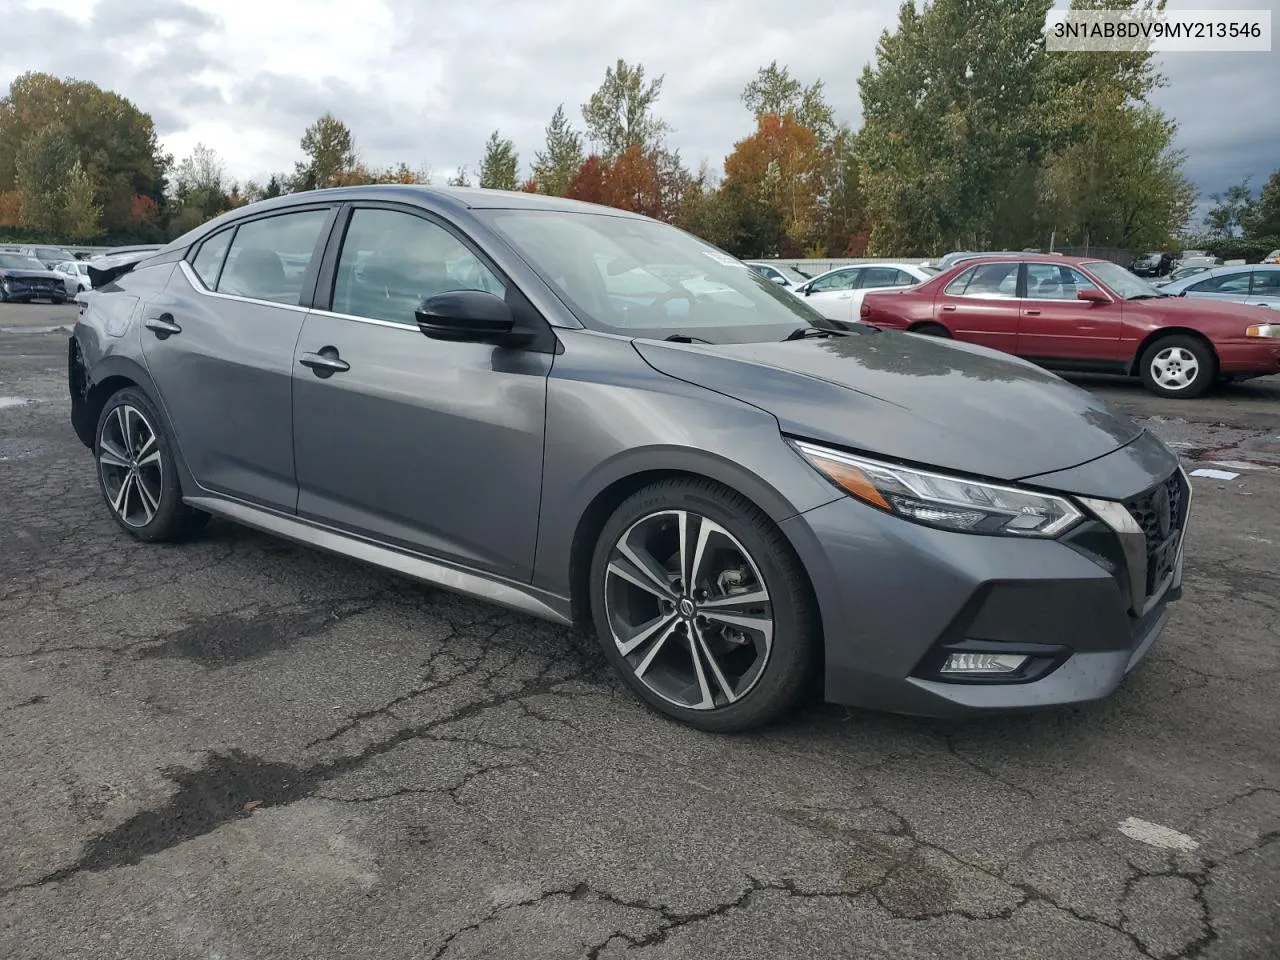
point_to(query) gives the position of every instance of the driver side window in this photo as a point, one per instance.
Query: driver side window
(392, 261)
(844, 280)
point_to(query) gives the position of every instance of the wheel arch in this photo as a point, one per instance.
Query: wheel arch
(92, 385)
(1159, 334)
(621, 479)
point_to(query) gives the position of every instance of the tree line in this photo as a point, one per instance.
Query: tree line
(973, 137)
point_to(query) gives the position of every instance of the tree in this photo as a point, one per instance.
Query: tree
(631, 183)
(330, 152)
(1263, 216)
(459, 179)
(57, 196)
(499, 170)
(274, 187)
(619, 115)
(781, 164)
(113, 140)
(200, 187)
(775, 91)
(588, 183)
(1231, 210)
(555, 168)
(844, 215)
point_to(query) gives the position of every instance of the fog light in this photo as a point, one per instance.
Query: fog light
(983, 663)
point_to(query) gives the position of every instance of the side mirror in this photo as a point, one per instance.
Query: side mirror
(470, 316)
(779, 281)
(1091, 295)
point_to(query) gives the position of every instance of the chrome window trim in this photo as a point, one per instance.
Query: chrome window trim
(372, 321)
(197, 284)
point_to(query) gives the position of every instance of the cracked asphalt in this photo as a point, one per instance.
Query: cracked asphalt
(240, 748)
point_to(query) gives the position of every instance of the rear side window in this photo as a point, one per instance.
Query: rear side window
(886, 277)
(208, 262)
(268, 258)
(988, 280)
(1266, 283)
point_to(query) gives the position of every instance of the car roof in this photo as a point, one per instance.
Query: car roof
(459, 198)
(1029, 258)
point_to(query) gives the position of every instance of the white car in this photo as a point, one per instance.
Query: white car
(783, 276)
(837, 294)
(75, 276)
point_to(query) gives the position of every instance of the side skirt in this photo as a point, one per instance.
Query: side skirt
(505, 593)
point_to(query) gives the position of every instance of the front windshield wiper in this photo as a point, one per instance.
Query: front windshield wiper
(801, 333)
(684, 338)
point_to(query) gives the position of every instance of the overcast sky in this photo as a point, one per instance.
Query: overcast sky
(426, 82)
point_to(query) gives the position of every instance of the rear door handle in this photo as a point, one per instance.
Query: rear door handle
(162, 326)
(325, 362)
(1033, 313)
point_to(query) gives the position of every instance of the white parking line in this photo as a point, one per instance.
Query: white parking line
(1154, 835)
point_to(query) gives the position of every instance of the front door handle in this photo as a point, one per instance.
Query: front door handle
(1033, 313)
(325, 362)
(162, 326)
(949, 307)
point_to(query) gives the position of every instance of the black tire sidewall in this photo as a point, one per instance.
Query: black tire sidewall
(171, 518)
(932, 330)
(1206, 372)
(792, 657)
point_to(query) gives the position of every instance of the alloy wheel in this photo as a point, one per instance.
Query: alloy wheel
(130, 465)
(688, 609)
(1174, 368)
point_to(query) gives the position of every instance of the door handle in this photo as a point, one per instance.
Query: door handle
(844, 296)
(325, 362)
(1033, 313)
(949, 307)
(162, 326)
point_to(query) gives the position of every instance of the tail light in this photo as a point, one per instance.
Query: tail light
(864, 311)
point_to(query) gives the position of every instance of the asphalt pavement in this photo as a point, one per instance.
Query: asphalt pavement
(239, 748)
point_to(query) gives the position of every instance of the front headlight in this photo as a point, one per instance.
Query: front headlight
(937, 500)
(1268, 330)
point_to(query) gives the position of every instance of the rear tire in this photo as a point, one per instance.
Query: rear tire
(137, 473)
(734, 649)
(1178, 366)
(932, 330)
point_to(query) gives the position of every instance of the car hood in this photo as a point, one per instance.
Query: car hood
(21, 273)
(1201, 308)
(910, 398)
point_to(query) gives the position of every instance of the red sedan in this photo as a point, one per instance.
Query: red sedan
(1069, 313)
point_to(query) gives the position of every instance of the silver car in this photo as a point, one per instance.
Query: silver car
(75, 276)
(1257, 285)
(593, 417)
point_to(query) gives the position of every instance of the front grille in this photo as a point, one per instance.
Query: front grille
(1161, 512)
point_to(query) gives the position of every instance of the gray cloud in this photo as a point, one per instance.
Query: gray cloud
(428, 83)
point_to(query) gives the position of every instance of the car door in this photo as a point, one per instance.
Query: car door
(1233, 286)
(429, 445)
(980, 305)
(832, 294)
(219, 343)
(1056, 325)
(1264, 289)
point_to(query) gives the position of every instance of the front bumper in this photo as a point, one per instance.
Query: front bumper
(897, 597)
(1253, 357)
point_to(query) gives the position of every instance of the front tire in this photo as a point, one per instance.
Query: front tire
(1178, 366)
(701, 604)
(136, 471)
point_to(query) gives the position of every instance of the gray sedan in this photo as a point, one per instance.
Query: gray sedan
(1257, 285)
(593, 417)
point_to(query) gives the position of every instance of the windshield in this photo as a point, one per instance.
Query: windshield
(931, 271)
(641, 278)
(1122, 283)
(795, 276)
(16, 261)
